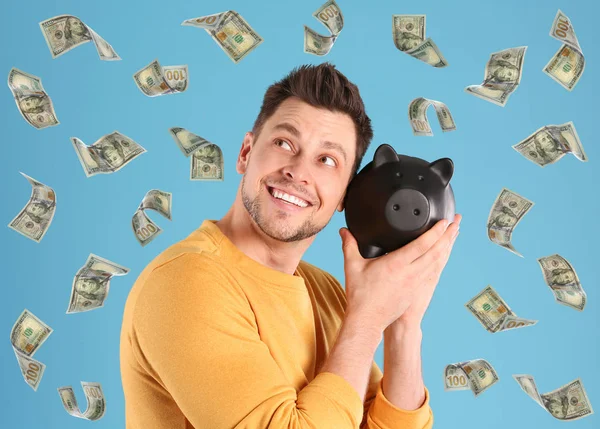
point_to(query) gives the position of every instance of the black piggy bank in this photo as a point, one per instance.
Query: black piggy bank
(396, 198)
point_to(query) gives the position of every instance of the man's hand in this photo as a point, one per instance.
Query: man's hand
(413, 316)
(382, 289)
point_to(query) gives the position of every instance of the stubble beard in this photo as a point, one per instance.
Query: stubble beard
(278, 225)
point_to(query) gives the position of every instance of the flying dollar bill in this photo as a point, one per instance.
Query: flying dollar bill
(95, 400)
(154, 80)
(568, 402)
(506, 213)
(187, 141)
(562, 279)
(231, 32)
(408, 32)
(26, 336)
(65, 32)
(91, 283)
(502, 76)
(493, 312)
(477, 375)
(207, 163)
(35, 218)
(566, 66)
(550, 143)
(108, 154)
(330, 15)
(33, 102)
(144, 229)
(417, 115)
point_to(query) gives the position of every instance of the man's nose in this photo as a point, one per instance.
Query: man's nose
(298, 171)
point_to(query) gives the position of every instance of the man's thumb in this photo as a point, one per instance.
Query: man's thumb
(349, 245)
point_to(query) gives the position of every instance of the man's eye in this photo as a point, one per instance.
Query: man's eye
(281, 141)
(334, 164)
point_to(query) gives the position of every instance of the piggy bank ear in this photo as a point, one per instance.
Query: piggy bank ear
(443, 167)
(384, 153)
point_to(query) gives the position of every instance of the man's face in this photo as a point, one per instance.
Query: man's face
(299, 164)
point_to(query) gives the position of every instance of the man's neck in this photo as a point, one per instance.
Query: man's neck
(243, 232)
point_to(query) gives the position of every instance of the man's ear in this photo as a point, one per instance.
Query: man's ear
(244, 155)
(340, 206)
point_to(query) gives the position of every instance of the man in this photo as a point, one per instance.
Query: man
(229, 328)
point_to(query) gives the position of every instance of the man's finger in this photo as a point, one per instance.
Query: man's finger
(413, 250)
(438, 251)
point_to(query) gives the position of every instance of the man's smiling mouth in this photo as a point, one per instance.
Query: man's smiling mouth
(287, 198)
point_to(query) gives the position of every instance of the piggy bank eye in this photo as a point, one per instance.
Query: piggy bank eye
(398, 174)
(420, 177)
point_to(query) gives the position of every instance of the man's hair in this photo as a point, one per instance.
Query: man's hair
(321, 86)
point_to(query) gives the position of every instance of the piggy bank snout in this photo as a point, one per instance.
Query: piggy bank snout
(407, 210)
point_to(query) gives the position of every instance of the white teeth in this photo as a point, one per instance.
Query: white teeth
(289, 198)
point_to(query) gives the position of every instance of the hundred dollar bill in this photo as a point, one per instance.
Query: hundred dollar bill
(330, 15)
(27, 335)
(94, 396)
(154, 80)
(207, 163)
(506, 213)
(550, 143)
(417, 115)
(33, 102)
(408, 32)
(91, 283)
(566, 66)
(108, 154)
(186, 141)
(493, 312)
(476, 374)
(65, 32)
(502, 76)
(144, 229)
(568, 402)
(562, 279)
(231, 32)
(35, 218)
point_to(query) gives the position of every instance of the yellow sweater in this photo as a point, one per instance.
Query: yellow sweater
(212, 339)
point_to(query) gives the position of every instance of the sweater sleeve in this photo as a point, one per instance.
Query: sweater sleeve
(379, 413)
(196, 335)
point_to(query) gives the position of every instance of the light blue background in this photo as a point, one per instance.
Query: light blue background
(93, 215)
